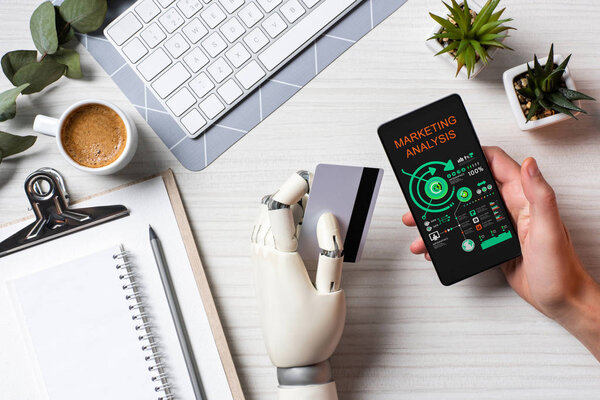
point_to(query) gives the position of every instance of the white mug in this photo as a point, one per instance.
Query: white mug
(53, 127)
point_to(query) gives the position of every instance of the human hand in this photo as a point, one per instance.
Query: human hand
(302, 324)
(549, 275)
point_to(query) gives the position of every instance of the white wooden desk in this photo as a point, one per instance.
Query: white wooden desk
(407, 336)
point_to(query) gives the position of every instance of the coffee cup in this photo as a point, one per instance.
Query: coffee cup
(92, 135)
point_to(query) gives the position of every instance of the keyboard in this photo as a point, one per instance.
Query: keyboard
(202, 57)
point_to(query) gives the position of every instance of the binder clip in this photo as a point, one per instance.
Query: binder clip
(47, 194)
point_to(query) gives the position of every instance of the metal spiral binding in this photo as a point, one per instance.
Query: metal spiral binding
(149, 343)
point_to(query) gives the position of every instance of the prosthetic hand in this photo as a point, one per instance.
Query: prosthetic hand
(302, 324)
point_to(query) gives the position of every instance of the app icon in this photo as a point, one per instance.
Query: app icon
(468, 245)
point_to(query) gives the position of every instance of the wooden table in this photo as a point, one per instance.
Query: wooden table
(407, 336)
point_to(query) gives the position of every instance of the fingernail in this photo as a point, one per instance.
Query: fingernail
(532, 168)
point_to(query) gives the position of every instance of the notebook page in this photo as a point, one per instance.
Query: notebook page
(148, 203)
(80, 327)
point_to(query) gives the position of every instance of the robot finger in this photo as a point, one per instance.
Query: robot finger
(261, 233)
(331, 259)
(284, 211)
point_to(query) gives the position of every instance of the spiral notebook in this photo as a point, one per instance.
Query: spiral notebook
(87, 318)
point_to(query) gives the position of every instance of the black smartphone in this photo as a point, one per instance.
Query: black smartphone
(450, 190)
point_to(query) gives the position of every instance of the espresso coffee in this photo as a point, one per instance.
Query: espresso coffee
(94, 135)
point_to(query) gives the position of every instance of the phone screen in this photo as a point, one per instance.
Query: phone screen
(450, 190)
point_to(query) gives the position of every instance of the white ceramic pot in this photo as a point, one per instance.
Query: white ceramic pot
(508, 78)
(436, 46)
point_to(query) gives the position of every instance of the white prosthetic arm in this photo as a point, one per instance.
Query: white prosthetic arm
(302, 323)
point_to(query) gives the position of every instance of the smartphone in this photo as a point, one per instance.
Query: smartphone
(450, 190)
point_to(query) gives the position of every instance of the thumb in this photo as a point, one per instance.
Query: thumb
(543, 207)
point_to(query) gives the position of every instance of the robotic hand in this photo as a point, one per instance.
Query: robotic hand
(302, 324)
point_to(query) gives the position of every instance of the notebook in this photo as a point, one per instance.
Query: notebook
(64, 310)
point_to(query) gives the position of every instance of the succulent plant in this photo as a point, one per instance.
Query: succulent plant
(546, 90)
(469, 38)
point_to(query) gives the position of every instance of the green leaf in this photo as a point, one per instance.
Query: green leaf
(552, 81)
(496, 16)
(43, 28)
(460, 62)
(64, 30)
(527, 92)
(448, 48)
(573, 94)
(490, 36)
(14, 60)
(39, 74)
(70, 59)
(563, 64)
(538, 72)
(485, 14)
(562, 110)
(550, 61)
(13, 144)
(487, 28)
(533, 110)
(495, 44)
(557, 99)
(443, 22)
(480, 50)
(85, 16)
(470, 60)
(449, 35)
(8, 102)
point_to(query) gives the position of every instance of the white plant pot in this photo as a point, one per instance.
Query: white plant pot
(508, 78)
(434, 45)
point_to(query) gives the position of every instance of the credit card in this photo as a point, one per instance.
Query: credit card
(350, 194)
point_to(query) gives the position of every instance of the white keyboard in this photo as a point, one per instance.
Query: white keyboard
(202, 57)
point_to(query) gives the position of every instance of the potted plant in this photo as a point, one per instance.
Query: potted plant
(468, 36)
(543, 95)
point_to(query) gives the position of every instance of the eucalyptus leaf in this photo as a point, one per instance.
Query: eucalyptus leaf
(8, 102)
(39, 74)
(64, 30)
(14, 60)
(84, 15)
(43, 28)
(13, 144)
(70, 59)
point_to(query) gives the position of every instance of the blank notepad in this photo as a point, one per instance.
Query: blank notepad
(82, 332)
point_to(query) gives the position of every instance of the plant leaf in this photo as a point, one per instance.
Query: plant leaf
(448, 48)
(573, 94)
(460, 61)
(85, 16)
(470, 60)
(43, 28)
(8, 102)
(13, 144)
(443, 22)
(64, 30)
(70, 59)
(552, 81)
(557, 99)
(550, 62)
(495, 44)
(538, 72)
(480, 50)
(533, 110)
(527, 92)
(39, 74)
(14, 60)
(563, 64)
(492, 25)
(496, 16)
(562, 110)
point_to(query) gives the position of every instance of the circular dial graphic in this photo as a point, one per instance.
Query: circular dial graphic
(429, 188)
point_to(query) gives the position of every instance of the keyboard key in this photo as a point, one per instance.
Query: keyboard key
(165, 3)
(173, 78)
(135, 50)
(237, 55)
(214, 44)
(250, 74)
(310, 3)
(302, 32)
(256, 40)
(153, 35)
(124, 28)
(171, 20)
(212, 106)
(292, 10)
(147, 10)
(154, 64)
(230, 91)
(231, 5)
(195, 59)
(176, 45)
(219, 70)
(193, 121)
(201, 85)
(232, 29)
(213, 15)
(181, 101)
(269, 5)
(195, 30)
(189, 7)
(250, 15)
(274, 25)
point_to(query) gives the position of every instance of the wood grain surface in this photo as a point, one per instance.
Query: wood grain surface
(407, 336)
